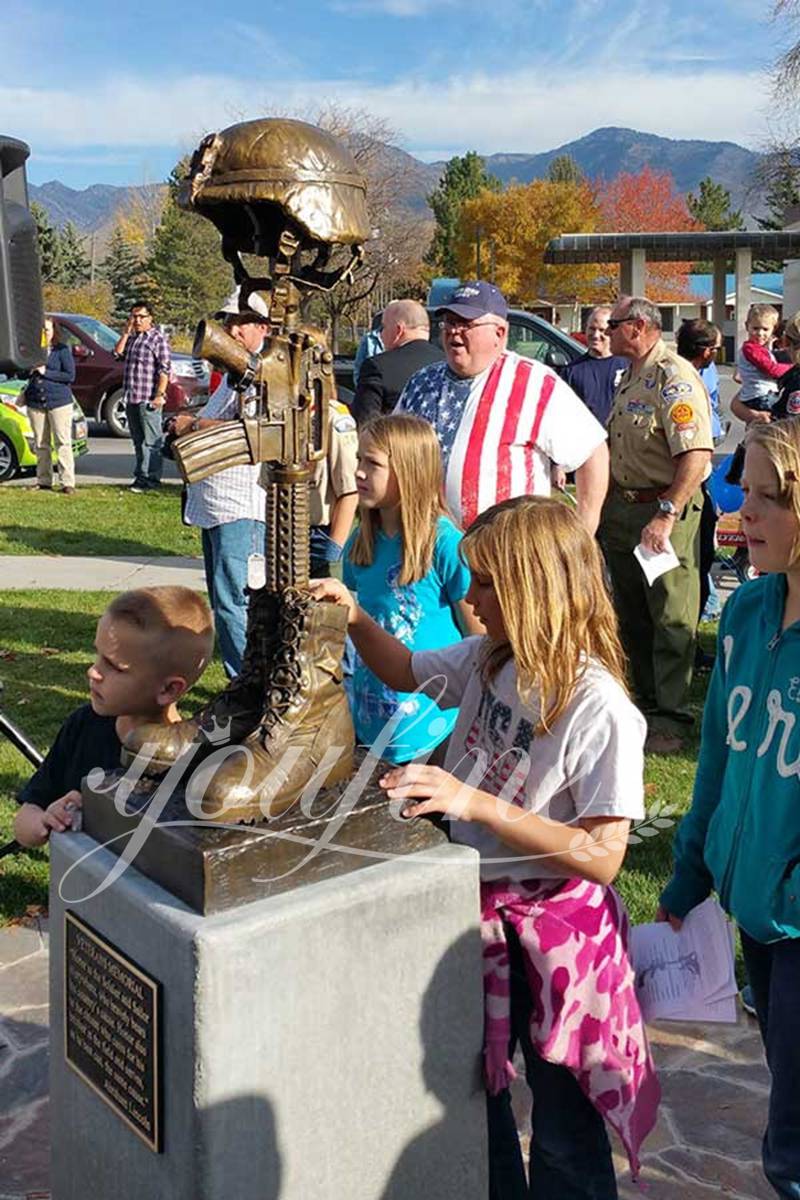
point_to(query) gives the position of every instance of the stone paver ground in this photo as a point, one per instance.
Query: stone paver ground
(24, 1130)
(706, 1144)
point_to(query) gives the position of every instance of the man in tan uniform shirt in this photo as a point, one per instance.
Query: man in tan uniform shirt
(660, 443)
(333, 494)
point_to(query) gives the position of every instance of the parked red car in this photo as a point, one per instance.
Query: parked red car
(98, 375)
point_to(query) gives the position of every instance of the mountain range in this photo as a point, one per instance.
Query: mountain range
(601, 154)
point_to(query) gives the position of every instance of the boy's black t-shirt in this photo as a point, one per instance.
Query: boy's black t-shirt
(83, 742)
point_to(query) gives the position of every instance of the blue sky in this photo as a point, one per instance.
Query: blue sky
(107, 93)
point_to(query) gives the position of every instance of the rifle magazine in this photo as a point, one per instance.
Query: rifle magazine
(208, 451)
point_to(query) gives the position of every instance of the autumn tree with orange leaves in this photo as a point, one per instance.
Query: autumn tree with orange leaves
(648, 202)
(514, 227)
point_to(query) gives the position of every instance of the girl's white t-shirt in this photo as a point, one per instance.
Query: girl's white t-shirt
(590, 764)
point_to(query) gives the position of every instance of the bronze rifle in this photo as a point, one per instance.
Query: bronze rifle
(293, 383)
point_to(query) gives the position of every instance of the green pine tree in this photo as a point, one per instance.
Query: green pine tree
(781, 173)
(124, 272)
(187, 267)
(75, 265)
(783, 189)
(564, 169)
(464, 178)
(49, 245)
(711, 206)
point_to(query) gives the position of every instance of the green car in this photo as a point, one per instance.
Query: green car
(17, 453)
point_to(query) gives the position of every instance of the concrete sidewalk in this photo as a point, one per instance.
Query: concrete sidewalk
(106, 574)
(111, 574)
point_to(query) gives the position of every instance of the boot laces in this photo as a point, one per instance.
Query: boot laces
(286, 677)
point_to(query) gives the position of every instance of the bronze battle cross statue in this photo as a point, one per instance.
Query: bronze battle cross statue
(289, 193)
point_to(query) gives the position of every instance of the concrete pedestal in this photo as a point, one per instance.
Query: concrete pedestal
(319, 1045)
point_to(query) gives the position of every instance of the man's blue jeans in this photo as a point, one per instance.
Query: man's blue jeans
(148, 440)
(774, 973)
(226, 549)
(570, 1154)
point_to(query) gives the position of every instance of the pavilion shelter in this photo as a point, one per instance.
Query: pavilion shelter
(633, 251)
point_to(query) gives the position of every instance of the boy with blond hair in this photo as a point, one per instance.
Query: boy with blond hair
(151, 645)
(757, 366)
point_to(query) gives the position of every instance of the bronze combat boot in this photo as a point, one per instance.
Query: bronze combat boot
(306, 719)
(231, 715)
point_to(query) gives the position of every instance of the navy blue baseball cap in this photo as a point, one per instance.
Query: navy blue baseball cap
(476, 299)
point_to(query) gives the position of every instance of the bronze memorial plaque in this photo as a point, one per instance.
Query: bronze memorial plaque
(112, 1025)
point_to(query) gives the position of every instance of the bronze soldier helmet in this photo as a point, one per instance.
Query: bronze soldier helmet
(257, 179)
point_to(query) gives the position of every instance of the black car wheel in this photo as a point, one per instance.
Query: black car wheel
(8, 459)
(115, 416)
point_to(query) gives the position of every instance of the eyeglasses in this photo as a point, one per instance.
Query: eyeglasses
(617, 321)
(449, 322)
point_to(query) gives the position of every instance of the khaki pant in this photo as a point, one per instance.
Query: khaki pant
(53, 424)
(658, 624)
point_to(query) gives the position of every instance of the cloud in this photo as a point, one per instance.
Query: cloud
(522, 111)
(273, 51)
(390, 8)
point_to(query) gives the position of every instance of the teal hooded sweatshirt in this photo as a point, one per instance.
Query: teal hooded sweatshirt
(742, 834)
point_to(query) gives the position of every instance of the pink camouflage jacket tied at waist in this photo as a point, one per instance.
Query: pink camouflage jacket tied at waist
(586, 1016)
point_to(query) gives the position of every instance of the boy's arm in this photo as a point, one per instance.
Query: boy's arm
(33, 825)
(763, 358)
(30, 827)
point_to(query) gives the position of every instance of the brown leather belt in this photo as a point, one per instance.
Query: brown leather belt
(638, 495)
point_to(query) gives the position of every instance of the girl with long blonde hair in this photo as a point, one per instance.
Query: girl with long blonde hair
(403, 562)
(543, 776)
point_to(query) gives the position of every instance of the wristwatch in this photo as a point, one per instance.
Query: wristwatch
(667, 508)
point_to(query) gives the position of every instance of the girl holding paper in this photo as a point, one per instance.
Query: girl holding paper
(742, 834)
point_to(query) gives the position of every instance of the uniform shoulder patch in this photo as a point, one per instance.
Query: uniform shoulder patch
(681, 413)
(673, 391)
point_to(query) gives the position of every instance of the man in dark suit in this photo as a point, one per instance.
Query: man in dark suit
(405, 332)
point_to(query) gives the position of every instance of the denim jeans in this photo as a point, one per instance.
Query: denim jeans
(148, 440)
(774, 973)
(326, 555)
(226, 549)
(570, 1154)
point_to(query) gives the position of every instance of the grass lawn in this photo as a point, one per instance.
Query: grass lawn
(99, 520)
(45, 648)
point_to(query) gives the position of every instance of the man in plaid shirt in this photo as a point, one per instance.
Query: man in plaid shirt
(145, 352)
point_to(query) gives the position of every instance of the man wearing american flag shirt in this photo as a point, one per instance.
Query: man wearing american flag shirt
(503, 420)
(229, 506)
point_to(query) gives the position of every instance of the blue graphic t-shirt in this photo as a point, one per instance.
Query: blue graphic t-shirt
(420, 615)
